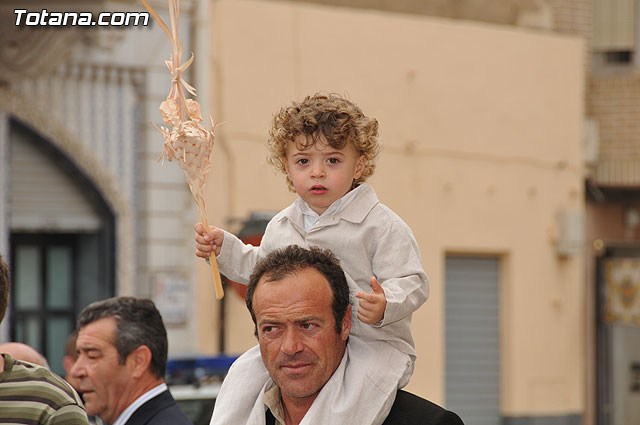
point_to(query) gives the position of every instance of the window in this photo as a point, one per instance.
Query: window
(54, 276)
(614, 32)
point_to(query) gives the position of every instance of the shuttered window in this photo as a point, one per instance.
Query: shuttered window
(614, 25)
(472, 335)
(42, 195)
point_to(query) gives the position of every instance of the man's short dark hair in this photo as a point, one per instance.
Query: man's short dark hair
(4, 287)
(138, 323)
(288, 261)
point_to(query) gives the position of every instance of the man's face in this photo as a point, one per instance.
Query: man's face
(296, 331)
(97, 372)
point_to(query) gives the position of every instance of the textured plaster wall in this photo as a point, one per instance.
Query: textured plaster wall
(481, 128)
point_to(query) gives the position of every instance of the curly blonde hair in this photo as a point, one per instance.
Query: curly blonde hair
(339, 120)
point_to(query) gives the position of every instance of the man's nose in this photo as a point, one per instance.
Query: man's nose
(291, 343)
(77, 370)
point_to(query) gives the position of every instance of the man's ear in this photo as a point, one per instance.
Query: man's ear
(346, 324)
(139, 361)
(67, 364)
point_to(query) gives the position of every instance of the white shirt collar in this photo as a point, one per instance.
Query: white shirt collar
(126, 413)
(311, 218)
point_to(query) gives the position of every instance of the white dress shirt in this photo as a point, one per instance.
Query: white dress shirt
(311, 218)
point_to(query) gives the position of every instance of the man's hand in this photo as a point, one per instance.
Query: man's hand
(373, 304)
(208, 242)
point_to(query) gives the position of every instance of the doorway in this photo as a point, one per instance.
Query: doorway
(472, 338)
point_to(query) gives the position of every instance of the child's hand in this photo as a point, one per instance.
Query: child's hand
(208, 242)
(372, 305)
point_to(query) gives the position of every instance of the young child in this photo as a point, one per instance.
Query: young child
(326, 147)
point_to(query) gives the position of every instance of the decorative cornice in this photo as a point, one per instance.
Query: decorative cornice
(33, 51)
(30, 52)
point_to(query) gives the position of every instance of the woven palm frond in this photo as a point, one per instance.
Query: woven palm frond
(186, 140)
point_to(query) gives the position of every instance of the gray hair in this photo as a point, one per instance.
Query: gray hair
(138, 323)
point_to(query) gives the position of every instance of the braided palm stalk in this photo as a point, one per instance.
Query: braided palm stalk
(187, 140)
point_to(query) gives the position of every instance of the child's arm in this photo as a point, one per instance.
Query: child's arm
(235, 258)
(396, 264)
(373, 304)
(208, 241)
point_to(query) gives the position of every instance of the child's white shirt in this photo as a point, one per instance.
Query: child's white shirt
(311, 218)
(369, 240)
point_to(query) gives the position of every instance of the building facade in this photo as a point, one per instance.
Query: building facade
(509, 146)
(482, 131)
(86, 211)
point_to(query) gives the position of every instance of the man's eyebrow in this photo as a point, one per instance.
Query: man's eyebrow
(305, 319)
(269, 321)
(89, 350)
(309, 319)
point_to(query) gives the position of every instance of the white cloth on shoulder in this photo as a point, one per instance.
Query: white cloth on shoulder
(360, 392)
(240, 390)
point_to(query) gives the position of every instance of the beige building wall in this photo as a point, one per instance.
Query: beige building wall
(481, 127)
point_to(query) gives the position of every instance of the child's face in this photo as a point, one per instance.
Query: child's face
(322, 174)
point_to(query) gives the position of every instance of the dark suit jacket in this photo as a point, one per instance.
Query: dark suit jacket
(409, 409)
(160, 410)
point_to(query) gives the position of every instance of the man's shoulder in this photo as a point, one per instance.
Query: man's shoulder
(160, 410)
(42, 394)
(42, 379)
(409, 409)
